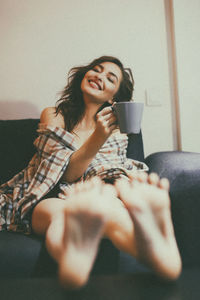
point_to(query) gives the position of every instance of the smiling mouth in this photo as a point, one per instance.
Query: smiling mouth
(94, 84)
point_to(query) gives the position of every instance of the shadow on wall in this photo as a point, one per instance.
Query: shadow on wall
(13, 110)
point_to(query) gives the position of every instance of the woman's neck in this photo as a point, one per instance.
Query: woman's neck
(85, 127)
(88, 120)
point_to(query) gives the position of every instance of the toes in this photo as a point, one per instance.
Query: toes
(153, 179)
(121, 185)
(136, 176)
(84, 186)
(124, 191)
(93, 183)
(78, 187)
(132, 174)
(164, 184)
(142, 177)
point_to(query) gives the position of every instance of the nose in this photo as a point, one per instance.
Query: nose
(100, 76)
(99, 80)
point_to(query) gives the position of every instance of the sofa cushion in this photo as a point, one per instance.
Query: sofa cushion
(18, 254)
(25, 256)
(16, 140)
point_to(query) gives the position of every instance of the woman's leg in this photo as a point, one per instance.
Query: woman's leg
(141, 225)
(147, 201)
(73, 230)
(48, 220)
(85, 221)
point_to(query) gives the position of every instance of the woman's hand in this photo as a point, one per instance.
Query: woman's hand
(106, 122)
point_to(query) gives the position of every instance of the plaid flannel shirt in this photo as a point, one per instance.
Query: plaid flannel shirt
(54, 147)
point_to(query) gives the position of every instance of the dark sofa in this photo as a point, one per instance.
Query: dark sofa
(25, 257)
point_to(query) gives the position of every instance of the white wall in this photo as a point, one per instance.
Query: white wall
(187, 36)
(41, 40)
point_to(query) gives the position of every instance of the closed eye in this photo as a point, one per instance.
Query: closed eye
(110, 79)
(97, 69)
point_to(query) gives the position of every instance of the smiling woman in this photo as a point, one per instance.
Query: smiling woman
(80, 186)
(72, 95)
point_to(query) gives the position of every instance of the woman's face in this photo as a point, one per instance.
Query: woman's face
(102, 82)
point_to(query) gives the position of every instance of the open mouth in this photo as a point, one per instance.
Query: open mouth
(94, 84)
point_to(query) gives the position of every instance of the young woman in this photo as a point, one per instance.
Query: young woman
(64, 193)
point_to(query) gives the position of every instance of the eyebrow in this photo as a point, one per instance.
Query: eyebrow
(111, 73)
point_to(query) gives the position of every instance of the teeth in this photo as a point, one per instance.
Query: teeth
(94, 83)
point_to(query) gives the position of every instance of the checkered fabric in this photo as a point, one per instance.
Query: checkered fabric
(54, 146)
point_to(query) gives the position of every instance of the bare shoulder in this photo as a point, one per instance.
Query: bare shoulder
(49, 117)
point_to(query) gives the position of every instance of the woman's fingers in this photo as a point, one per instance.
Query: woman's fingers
(107, 114)
(106, 121)
(112, 121)
(112, 127)
(106, 110)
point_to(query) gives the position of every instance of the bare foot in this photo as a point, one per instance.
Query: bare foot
(147, 200)
(85, 220)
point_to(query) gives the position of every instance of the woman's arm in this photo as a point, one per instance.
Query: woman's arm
(81, 158)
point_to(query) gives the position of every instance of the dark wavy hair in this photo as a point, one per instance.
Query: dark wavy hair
(71, 104)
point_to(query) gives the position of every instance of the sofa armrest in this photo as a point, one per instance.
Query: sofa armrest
(183, 171)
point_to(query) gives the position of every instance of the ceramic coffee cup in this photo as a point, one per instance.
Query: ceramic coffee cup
(129, 116)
